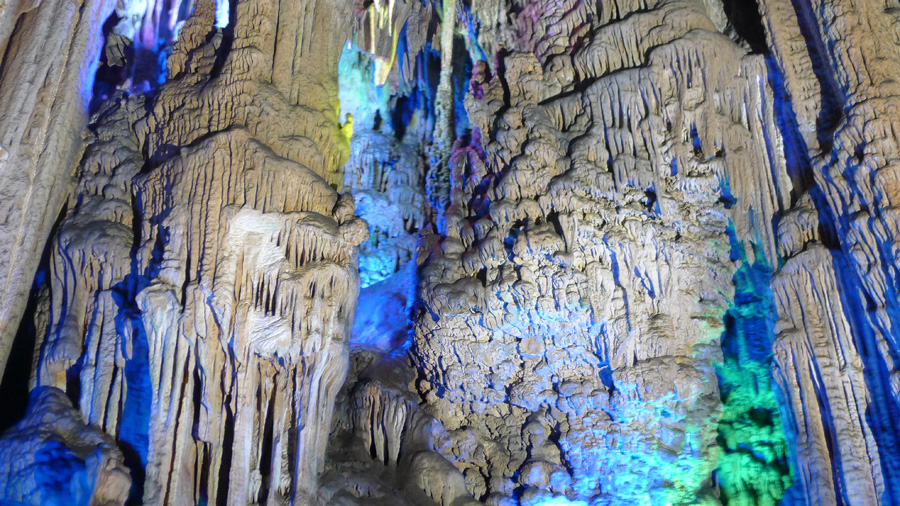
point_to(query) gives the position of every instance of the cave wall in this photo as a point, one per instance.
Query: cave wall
(44, 103)
(204, 279)
(404, 252)
(585, 270)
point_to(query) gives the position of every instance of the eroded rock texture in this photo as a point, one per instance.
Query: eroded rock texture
(385, 449)
(836, 346)
(204, 281)
(585, 267)
(59, 459)
(50, 52)
(412, 252)
(553, 297)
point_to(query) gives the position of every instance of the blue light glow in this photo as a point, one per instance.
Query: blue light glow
(559, 501)
(222, 13)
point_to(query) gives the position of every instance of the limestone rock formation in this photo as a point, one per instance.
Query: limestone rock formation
(50, 52)
(59, 459)
(585, 269)
(189, 358)
(502, 252)
(384, 443)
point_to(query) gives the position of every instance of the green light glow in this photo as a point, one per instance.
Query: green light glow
(755, 466)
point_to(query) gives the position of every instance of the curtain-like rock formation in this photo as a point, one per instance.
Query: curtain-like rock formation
(585, 270)
(836, 292)
(613, 252)
(204, 282)
(50, 53)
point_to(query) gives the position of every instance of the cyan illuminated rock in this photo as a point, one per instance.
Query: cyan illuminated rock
(756, 464)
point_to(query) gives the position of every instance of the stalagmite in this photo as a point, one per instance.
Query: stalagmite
(59, 459)
(204, 264)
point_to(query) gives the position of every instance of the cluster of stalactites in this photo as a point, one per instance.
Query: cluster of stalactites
(386, 166)
(593, 190)
(90, 261)
(393, 32)
(206, 261)
(144, 33)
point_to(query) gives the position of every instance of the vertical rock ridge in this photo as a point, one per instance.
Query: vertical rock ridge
(44, 102)
(563, 252)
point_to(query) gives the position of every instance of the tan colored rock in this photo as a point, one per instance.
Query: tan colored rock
(575, 250)
(572, 307)
(836, 349)
(386, 448)
(51, 49)
(218, 254)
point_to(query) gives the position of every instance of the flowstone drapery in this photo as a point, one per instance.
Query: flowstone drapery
(461, 252)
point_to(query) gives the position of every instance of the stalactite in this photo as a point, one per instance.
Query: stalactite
(442, 140)
(401, 252)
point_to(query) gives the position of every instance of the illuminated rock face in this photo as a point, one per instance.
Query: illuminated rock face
(57, 460)
(399, 252)
(51, 50)
(585, 268)
(205, 278)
